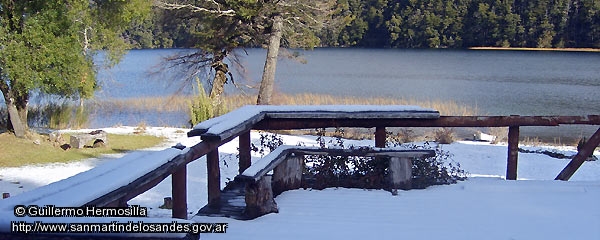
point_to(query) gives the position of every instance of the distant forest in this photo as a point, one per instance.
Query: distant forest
(430, 24)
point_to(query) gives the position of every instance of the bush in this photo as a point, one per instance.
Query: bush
(366, 172)
(202, 107)
(372, 173)
(444, 135)
(58, 116)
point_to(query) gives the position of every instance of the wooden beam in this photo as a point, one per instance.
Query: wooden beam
(513, 153)
(380, 137)
(586, 151)
(244, 151)
(179, 192)
(214, 178)
(153, 178)
(443, 121)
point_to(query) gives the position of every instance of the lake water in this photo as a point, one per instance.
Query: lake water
(495, 82)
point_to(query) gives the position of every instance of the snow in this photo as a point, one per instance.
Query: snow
(261, 164)
(483, 207)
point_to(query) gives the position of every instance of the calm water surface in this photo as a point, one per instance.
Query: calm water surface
(496, 82)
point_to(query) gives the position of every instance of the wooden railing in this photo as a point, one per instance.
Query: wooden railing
(238, 124)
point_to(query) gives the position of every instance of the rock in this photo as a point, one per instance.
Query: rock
(98, 143)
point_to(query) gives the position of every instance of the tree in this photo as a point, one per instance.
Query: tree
(297, 22)
(216, 28)
(47, 46)
(213, 30)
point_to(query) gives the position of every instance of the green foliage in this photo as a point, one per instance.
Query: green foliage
(58, 116)
(203, 107)
(48, 46)
(391, 23)
(466, 23)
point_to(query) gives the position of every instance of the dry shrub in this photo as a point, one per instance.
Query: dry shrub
(444, 135)
(501, 134)
(230, 102)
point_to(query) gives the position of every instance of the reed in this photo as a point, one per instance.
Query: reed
(181, 103)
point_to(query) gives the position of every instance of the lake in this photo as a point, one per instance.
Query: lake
(495, 82)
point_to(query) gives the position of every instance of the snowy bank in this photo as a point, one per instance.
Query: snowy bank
(483, 207)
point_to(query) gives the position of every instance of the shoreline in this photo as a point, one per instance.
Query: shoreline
(537, 49)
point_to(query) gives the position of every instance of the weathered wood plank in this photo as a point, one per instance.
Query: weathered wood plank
(586, 151)
(354, 114)
(443, 121)
(288, 174)
(244, 152)
(259, 198)
(265, 165)
(214, 178)
(380, 137)
(400, 174)
(244, 118)
(224, 131)
(513, 153)
(179, 193)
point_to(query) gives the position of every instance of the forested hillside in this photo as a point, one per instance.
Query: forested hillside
(431, 24)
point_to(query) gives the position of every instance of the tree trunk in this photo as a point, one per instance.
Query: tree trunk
(14, 114)
(16, 105)
(268, 78)
(221, 70)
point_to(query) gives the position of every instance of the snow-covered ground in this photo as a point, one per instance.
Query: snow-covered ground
(484, 207)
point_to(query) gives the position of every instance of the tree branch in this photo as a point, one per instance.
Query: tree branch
(216, 9)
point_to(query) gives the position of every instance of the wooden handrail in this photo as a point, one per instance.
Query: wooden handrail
(215, 132)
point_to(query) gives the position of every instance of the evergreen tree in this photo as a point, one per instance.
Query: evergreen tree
(48, 46)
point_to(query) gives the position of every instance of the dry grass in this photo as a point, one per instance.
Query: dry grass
(181, 103)
(538, 49)
(23, 151)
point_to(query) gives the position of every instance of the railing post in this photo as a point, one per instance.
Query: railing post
(380, 137)
(586, 151)
(214, 178)
(513, 153)
(245, 157)
(179, 192)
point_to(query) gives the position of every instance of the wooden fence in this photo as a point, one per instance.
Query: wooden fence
(252, 119)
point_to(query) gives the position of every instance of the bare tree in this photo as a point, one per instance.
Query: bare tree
(220, 27)
(296, 22)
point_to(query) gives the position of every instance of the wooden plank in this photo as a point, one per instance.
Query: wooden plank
(214, 178)
(225, 130)
(380, 137)
(367, 152)
(244, 152)
(153, 178)
(443, 121)
(259, 198)
(354, 114)
(276, 158)
(513, 153)
(136, 187)
(400, 174)
(179, 193)
(585, 152)
(288, 174)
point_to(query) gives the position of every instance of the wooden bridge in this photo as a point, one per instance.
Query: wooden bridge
(238, 124)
